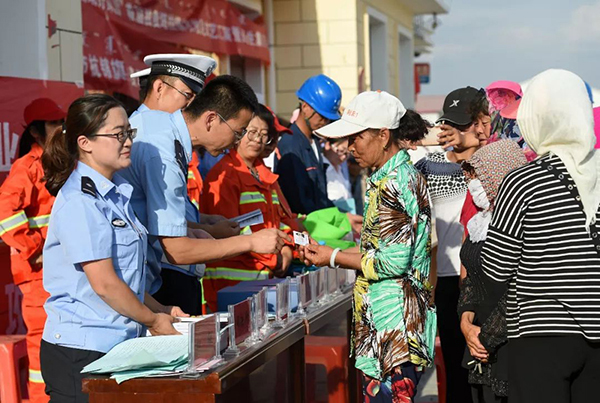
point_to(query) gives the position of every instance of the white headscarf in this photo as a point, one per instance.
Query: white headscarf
(555, 116)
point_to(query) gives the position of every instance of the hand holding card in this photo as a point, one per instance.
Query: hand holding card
(252, 218)
(300, 238)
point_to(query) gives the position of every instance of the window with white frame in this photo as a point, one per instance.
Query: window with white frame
(250, 70)
(406, 69)
(378, 55)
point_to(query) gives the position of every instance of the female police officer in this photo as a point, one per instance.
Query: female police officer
(95, 251)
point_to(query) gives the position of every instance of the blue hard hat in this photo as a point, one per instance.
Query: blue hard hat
(323, 95)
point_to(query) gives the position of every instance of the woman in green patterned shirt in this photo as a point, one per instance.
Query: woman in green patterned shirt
(394, 322)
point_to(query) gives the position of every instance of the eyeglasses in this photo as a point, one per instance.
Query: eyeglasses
(187, 95)
(238, 136)
(259, 137)
(121, 136)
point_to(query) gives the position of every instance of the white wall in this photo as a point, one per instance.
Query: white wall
(27, 51)
(23, 39)
(406, 69)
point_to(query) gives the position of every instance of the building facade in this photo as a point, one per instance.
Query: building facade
(361, 44)
(61, 48)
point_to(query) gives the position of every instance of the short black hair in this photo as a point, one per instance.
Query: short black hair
(412, 127)
(145, 86)
(227, 95)
(147, 82)
(479, 105)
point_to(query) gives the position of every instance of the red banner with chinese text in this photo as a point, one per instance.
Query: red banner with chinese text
(17, 93)
(111, 54)
(119, 33)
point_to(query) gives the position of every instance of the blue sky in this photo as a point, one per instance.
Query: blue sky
(481, 41)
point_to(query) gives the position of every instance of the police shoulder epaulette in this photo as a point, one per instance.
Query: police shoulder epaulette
(88, 186)
(180, 158)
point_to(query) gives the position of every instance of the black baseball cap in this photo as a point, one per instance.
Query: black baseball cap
(457, 106)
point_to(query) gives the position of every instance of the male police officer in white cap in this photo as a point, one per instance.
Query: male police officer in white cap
(161, 153)
(169, 84)
(172, 80)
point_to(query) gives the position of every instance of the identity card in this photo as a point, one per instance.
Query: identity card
(252, 218)
(300, 238)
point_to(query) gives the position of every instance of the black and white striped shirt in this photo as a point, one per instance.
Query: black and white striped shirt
(538, 242)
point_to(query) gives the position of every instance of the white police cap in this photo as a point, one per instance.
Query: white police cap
(191, 69)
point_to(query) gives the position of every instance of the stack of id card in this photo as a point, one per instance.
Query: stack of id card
(300, 238)
(252, 218)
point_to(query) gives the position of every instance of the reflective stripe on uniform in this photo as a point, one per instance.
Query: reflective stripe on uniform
(35, 376)
(284, 227)
(191, 175)
(13, 222)
(202, 286)
(39, 221)
(275, 197)
(252, 197)
(226, 273)
(246, 231)
(195, 203)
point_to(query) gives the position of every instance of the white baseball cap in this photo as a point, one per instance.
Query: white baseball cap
(191, 69)
(368, 110)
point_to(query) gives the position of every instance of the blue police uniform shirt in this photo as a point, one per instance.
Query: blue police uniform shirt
(92, 219)
(140, 109)
(158, 173)
(153, 280)
(158, 259)
(301, 174)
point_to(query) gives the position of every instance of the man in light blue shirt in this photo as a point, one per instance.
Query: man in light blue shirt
(169, 84)
(215, 120)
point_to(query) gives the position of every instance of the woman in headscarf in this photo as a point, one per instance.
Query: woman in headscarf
(481, 309)
(544, 242)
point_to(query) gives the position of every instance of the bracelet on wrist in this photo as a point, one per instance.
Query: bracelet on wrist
(332, 259)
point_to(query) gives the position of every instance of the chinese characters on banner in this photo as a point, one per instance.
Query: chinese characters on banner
(108, 59)
(12, 107)
(119, 33)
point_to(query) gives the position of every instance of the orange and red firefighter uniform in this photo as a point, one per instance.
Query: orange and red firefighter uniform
(194, 182)
(230, 190)
(25, 207)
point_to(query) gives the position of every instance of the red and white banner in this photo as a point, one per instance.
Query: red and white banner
(17, 93)
(119, 33)
(111, 54)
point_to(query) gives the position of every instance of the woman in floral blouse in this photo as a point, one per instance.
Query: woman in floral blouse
(394, 322)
